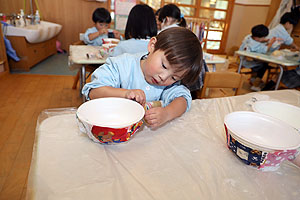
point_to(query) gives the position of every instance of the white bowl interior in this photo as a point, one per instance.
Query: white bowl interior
(111, 112)
(262, 130)
(111, 40)
(285, 112)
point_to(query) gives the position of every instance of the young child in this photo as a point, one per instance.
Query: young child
(157, 21)
(170, 16)
(281, 31)
(93, 36)
(257, 42)
(140, 27)
(158, 75)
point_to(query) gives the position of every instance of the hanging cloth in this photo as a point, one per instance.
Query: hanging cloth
(285, 6)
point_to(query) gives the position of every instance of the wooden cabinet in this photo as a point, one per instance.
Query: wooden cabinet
(30, 53)
(4, 68)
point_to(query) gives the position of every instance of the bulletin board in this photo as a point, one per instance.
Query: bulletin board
(122, 9)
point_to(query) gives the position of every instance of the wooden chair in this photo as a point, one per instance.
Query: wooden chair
(221, 80)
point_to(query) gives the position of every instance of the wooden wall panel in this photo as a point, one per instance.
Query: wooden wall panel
(74, 15)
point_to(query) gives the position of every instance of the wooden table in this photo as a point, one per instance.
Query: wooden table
(85, 55)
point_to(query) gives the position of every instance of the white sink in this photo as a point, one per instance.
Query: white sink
(35, 33)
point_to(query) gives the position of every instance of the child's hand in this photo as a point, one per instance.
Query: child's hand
(156, 117)
(272, 40)
(117, 34)
(103, 31)
(136, 95)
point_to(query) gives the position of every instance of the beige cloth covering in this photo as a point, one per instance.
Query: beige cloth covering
(185, 159)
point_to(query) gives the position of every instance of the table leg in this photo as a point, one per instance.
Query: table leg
(279, 77)
(214, 67)
(241, 63)
(82, 81)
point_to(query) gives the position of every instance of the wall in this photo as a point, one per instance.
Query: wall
(74, 15)
(244, 17)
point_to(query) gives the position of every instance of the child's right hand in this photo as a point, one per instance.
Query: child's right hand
(272, 40)
(136, 95)
(103, 31)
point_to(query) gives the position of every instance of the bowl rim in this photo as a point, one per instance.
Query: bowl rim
(254, 107)
(252, 142)
(124, 125)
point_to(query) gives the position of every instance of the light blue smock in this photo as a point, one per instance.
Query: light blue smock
(97, 41)
(124, 71)
(251, 45)
(280, 32)
(130, 46)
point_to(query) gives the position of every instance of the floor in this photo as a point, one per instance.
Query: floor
(56, 64)
(23, 97)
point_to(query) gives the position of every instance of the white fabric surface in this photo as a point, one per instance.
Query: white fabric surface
(185, 159)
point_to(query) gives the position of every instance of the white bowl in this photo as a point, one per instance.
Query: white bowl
(110, 40)
(285, 112)
(262, 131)
(110, 120)
(260, 140)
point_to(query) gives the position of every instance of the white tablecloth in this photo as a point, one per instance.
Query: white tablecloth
(185, 159)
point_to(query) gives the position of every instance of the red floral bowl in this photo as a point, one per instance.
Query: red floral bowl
(110, 120)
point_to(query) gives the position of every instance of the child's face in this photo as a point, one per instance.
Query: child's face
(100, 26)
(260, 39)
(156, 68)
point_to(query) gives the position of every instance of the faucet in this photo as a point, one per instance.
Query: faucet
(31, 17)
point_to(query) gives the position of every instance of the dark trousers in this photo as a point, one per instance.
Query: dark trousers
(260, 70)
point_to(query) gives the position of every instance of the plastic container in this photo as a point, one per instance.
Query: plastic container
(37, 18)
(22, 19)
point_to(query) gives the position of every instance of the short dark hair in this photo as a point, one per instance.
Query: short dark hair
(183, 51)
(157, 12)
(141, 23)
(259, 31)
(289, 17)
(171, 10)
(101, 15)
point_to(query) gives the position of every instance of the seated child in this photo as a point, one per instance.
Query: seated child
(280, 32)
(158, 75)
(171, 16)
(257, 42)
(157, 20)
(93, 36)
(140, 27)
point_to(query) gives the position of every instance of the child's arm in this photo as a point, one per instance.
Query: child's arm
(93, 36)
(271, 42)
(107, 91)
(117, 34)
(157, 116)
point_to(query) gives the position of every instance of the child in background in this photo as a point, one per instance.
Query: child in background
(170, 16)
(140, 27)
(257, 42)
(157, 21)
(93, 36)
(281, 31)
(158, 75)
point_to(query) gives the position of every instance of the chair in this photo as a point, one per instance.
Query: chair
(222, 80)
